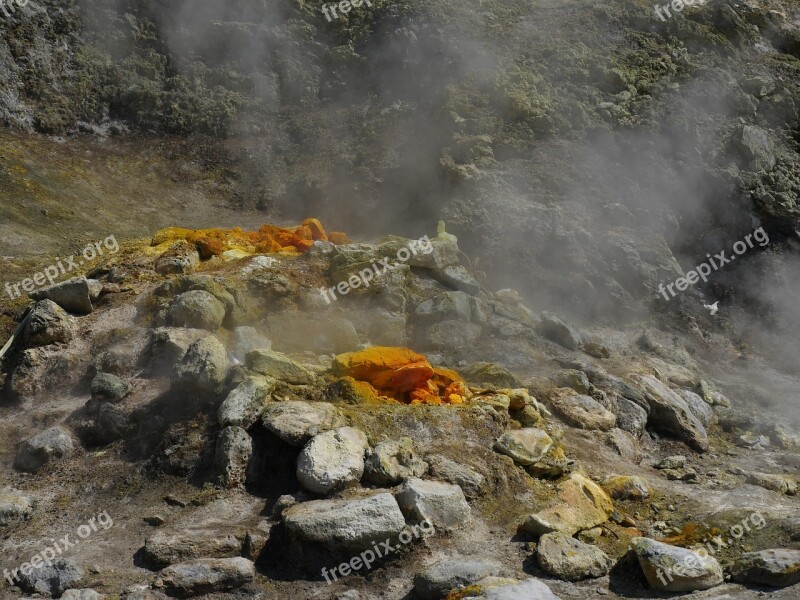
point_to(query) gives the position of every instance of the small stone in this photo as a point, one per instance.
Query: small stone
(581, 411)
(36, 452)
(627, 488)
(73, 295)
(166, 548)
(582, 505)
(672, 462)
(154, 520)
(557, 330)
(232, 456)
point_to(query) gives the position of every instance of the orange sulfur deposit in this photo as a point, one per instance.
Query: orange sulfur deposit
(268, 238)
(402, 374)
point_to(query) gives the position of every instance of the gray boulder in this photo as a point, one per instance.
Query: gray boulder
(346, 525)
(698, 406)
(393, 461)
(205, 576)
(51, 579)
(180, 257)
(296, 422)
(525, 446)
(449, 306)
(204, 368)
(583, 411)
(672, 569)
(670, 414)
(279, 366)
(36, 452)
(232, 455)
(48, 323)
(14, 507)
(332, 460)
(775, 568)
(457, 277)
(631, 417)
(166, 548)
(81, 595)
(73, 295)
(557, 330)
(438, 580)
(245, 403)
(106, 386)
(443, 505)
(756, 147)
(470, 481)
(197, 309)
(529, 589)
(565, 557)
(168, 346)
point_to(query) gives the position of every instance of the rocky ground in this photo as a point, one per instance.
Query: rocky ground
(231, 433)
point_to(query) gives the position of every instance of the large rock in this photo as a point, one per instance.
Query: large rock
(81, 595)
(246, 402)
(205, 576)
(672, 569)
(470, 481)
(565, 557)
(168, 346)
(777, 483)
(197, 309)
(582, 411)
(279, 366)
(332, 460)
(393, 461)
(74, 295)
(166, 548)
(48, 323)
(204, 368)
(51, 579)
(232, 455)
(36, 452)
(443, 505)
(698, 406)
(14, 507)
(631, 417)
(525, 446)
(776, 568)
(529, 589)
(435, 582)
(582, 504)
(346, 525)
(670, 414)
(756, 147)
(557, 330)
(296, 422)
